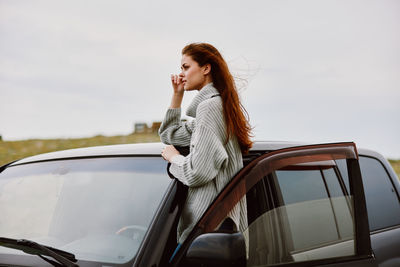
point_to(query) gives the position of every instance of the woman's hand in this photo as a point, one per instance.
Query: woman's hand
(169, 152)
(177, 84)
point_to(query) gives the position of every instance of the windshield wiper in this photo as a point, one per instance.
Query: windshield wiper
(63, 258)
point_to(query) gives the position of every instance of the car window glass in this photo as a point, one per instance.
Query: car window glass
(301, 186)
(342, 166)
(334, 183)
(256, 201)
(382, 201)
(311, 220)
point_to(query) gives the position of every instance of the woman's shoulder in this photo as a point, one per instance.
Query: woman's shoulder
(211, 105)
(210, 114)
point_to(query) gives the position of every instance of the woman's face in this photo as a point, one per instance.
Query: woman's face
(193, 76)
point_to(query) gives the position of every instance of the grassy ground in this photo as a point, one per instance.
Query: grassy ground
(12, 150)
(396, 166)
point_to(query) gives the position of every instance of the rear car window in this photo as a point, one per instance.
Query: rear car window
(382, 201)
(383, 204)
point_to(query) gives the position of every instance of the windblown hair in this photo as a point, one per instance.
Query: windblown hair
(235, 115)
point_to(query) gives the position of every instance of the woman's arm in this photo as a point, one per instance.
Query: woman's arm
(175, 132)
(205, 160)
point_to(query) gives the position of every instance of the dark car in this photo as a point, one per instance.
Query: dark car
(307, 205)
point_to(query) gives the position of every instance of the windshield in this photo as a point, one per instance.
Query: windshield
(98, 209)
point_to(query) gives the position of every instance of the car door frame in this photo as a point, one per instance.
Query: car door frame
(275, 160)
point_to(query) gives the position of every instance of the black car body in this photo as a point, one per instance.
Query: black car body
(307, 205)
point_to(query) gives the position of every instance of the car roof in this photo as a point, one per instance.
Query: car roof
(142, 149)
(147, 149)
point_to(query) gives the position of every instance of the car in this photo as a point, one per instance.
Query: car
(307, 205)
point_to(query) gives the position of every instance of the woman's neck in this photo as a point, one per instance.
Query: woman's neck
(206, 81)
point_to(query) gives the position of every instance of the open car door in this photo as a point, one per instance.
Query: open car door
(300, 211)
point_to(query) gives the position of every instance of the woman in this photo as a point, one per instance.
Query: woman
(217, 136)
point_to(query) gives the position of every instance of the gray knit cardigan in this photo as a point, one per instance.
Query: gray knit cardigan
(210, 164)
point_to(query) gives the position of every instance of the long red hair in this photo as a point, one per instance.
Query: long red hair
(237, 123)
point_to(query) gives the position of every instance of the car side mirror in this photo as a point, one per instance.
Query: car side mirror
(217, 249)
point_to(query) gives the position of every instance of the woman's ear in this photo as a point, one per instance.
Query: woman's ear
(206, 68)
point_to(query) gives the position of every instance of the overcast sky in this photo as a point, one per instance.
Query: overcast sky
(316, 71)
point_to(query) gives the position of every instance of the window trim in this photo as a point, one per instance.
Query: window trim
(265, 164)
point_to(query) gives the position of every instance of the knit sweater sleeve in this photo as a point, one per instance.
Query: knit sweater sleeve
(175, 132)
(206, 157)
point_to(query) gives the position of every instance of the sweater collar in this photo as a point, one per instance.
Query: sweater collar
(204, 93)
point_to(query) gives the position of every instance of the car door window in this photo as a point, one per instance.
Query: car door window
(313, 220)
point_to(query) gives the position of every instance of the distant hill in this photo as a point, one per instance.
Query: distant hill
(396, 166)
(13, 150)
